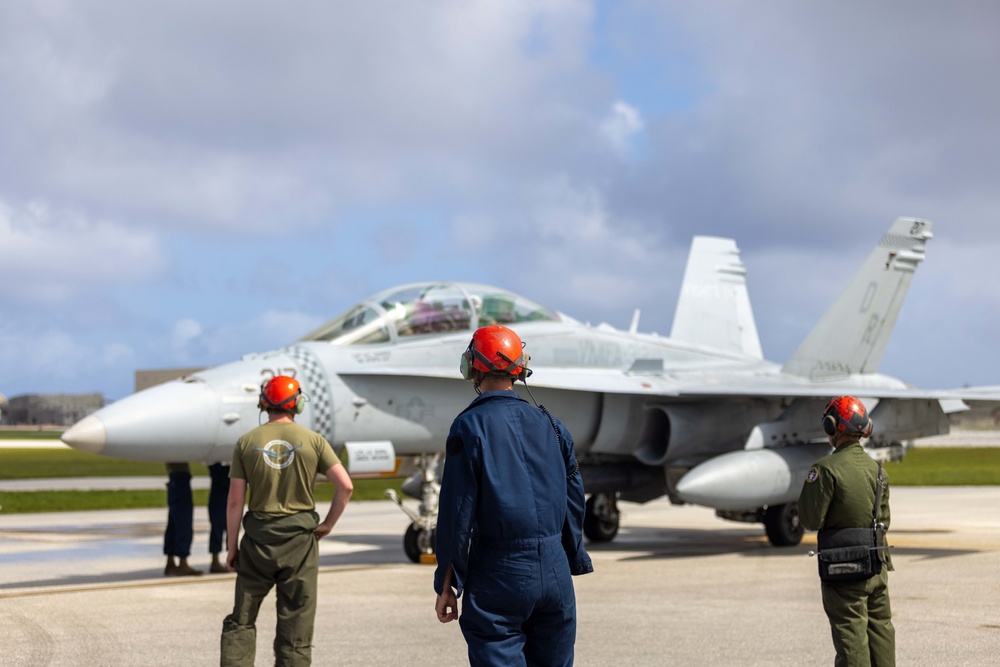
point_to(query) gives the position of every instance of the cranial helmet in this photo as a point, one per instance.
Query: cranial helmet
(495, 349)
(846, 415)
(282, 393)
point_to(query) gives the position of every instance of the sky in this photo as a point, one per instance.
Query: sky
(184, 183)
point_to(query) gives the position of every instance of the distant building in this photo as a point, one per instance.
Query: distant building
(67, 409)
(49, 409)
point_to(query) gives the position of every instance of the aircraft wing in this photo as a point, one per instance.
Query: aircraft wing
(727, 385)
(568, 379)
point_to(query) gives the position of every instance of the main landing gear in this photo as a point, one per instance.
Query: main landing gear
(781, 522)
(420, 535)
(782, 525)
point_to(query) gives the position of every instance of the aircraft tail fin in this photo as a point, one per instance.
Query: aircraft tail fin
(714, 305)
(852, 335)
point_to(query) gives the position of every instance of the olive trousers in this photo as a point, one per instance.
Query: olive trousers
(280, 553)
(861, 622)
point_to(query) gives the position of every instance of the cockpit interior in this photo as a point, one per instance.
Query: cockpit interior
(428, 308)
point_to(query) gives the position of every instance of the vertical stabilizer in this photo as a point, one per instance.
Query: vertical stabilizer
(852, 335)
(714, 305)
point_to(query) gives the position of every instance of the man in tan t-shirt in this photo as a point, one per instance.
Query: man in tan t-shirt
(278, 462)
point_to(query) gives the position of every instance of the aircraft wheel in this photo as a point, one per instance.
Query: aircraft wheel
(782, 525)
(601, 519)
(417, 541)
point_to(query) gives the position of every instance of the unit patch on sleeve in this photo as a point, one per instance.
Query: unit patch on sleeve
(812, 475)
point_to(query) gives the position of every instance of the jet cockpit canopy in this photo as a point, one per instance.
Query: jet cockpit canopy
(429, 308)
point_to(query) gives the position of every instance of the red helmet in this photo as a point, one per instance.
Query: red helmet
(282, 393)
(495, 349)
(846, 415)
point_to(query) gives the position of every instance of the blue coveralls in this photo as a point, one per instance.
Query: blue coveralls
(510, 525)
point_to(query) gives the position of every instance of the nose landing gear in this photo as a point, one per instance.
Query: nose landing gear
(419, 538)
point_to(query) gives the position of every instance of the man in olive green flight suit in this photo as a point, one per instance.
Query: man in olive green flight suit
(839, 492)
(278, 462)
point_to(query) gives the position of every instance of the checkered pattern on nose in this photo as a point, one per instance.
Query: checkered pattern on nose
(312, 377)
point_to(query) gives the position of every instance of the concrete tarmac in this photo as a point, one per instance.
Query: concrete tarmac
(677, 587)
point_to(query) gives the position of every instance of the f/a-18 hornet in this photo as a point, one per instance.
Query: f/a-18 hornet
(700, 416)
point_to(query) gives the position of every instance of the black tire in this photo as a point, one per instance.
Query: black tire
(411, 542)
(782, 525)
(596, 528)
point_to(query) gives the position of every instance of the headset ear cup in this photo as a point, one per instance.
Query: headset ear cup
(829, 425)
(465, 365)
(868, 428)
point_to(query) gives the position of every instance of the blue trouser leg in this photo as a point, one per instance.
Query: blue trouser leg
(218, 495)
(519, 608)
(180, 516)
(551, 628)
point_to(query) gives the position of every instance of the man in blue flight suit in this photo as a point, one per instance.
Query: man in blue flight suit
(510, 523)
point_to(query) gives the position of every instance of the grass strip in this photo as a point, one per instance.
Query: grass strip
(25, 502)
(947, 466)
(29, 434)
(47, 463)
(924, 466)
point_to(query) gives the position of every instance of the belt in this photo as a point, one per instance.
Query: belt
(517, 543)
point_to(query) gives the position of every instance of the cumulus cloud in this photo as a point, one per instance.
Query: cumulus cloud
(53, 361)
(826, 114)
(52, 255)
(192, 342)
(621, 126)
(179, 115)
(158, 160)
(569, 251)
(184, 338)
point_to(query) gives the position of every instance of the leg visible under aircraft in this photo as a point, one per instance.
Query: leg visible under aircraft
(601, 520)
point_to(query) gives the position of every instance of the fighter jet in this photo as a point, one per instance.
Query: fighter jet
(699, 416)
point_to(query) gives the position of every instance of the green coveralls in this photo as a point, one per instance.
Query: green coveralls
(839, 492)
(279, 549)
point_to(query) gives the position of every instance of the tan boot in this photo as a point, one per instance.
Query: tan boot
(183, 570)
(171, 569)
(217, 567)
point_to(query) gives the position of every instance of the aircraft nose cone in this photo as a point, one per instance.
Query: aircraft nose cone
(87, 435)
(179, 421)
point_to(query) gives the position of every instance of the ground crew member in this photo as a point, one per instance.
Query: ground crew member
(839, 493)
(510, 523)
(278, 462)
(180, 522)
(218, 498)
